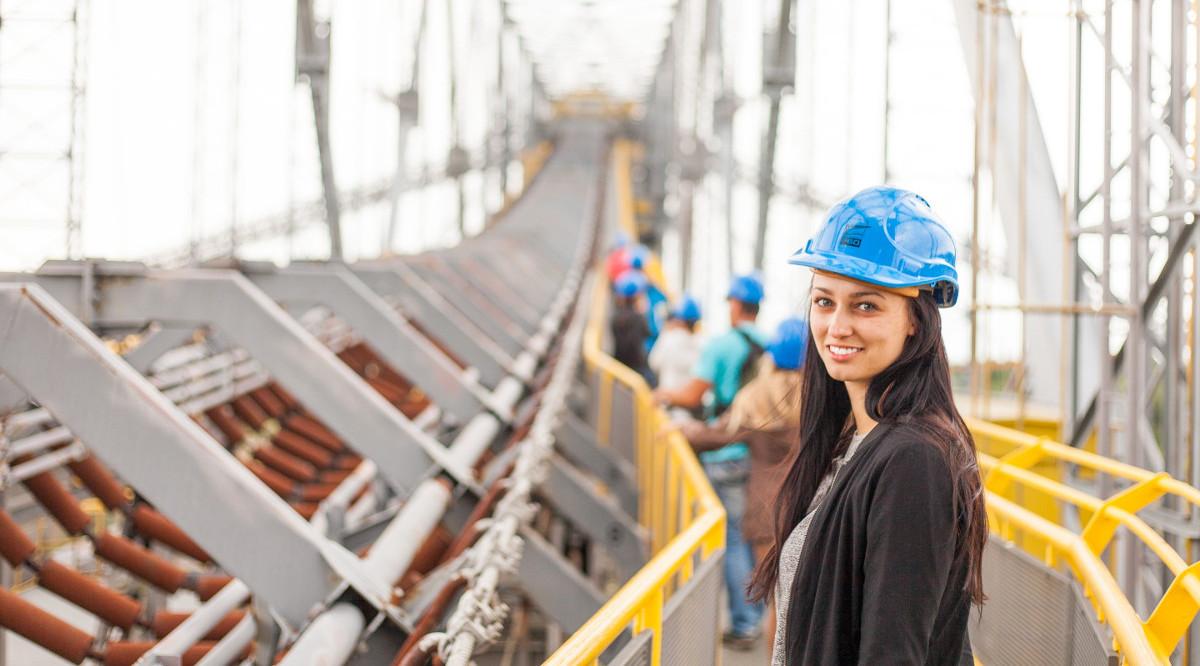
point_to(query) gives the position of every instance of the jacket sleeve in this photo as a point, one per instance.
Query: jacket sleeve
(911, 531)
(710, 437)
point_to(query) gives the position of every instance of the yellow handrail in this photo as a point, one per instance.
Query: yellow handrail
(677, 504)
(1165, 627)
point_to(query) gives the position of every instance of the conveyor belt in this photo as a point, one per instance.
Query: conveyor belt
(335, 456)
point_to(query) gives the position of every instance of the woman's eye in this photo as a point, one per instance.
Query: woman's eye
(823, 302)
(867, 307)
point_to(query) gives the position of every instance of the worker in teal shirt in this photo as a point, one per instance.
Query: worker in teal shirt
(724, 367)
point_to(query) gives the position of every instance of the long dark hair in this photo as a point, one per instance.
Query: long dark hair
(913, 390)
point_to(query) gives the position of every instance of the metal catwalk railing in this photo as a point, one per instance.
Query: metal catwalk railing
(1012, 486)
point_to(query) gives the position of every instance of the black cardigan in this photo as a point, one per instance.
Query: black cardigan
(878, 582)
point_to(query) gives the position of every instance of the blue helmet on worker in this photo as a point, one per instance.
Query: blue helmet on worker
(639, 256)
(630, 284)
(746, 288)
(790, 344)
(887, 237)
(687, 308)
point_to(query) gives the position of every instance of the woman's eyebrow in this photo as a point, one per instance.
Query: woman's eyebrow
(860, 294)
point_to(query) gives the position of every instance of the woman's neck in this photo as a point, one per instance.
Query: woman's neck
(857, 391)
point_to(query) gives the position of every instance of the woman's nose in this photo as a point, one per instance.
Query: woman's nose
(839, 323)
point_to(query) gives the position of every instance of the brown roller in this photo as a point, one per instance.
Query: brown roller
(226, 421)
(286, 398)
(286, 463)
(15, 545)
(432, 550)
(283, 486)
(315, 492)
(87, 593)
(352, 361)
(126, 653)
(165, 622)
(249, 411)
(305, 509)
(348, 461)
(334, 475)
(206, 586)
(58, 501)
(100, 481)
(160, 528)
(270, 402)
(390, 392)
(315, 432)
(43, 628)
(140, 562)
(302, 448)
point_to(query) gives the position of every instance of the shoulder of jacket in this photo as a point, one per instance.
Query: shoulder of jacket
(912, 444)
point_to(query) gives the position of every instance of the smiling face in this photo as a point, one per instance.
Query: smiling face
(859, 329)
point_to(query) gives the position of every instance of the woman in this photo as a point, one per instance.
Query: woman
(881, 522)
(766, 415)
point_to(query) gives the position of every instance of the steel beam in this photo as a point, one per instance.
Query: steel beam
(600, 517)
(555, 585)
(577, 443)
(326, 386)
(429, 309)
(157, 341)
(171, 461)
(405, 349)
(475, 306)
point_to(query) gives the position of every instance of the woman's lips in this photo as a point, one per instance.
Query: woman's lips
(841, 353)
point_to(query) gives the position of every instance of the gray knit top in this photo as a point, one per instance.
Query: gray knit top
(789, 556)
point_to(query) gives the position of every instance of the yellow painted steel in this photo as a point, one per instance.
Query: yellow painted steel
(677, 504)
(1017, 471)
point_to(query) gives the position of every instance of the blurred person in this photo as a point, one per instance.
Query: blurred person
(726, 363)
(677, 349)
(881, 522)
(628, 323)
(766, 415)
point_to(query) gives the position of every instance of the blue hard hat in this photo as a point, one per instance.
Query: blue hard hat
(639, 255)
(746, 288)
(630, 284)
(790, 344)
(687, 309)
(889, 237)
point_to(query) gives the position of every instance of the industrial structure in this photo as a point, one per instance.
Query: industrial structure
(423, 453)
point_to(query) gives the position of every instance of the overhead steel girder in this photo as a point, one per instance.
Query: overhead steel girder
(433, 313)
(327, 387)
(335, 287)
(171, 460)
(574, 496)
